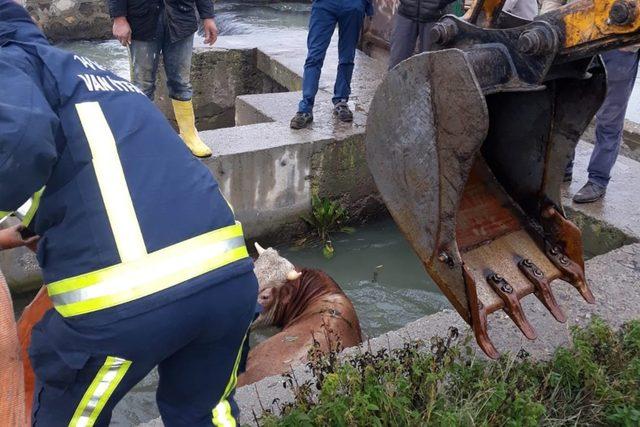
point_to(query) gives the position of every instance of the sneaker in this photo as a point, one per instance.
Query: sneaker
(301, 120)
(589, 193)
(342, 111)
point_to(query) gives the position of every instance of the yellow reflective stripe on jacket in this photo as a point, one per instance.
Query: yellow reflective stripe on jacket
(99, 392)
(152, 273)
(233, 381)
(112, 182)
(222, 416)
(3, 215)
(35, 204)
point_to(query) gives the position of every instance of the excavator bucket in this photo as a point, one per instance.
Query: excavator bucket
(468, 145)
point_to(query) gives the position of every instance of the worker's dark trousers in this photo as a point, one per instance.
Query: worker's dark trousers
(82, 372)
(404, 36)
(622, 68)
(325, 14)
(176, 57)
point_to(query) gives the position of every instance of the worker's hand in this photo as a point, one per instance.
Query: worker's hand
(122, 30)
(11, 238)
(210, 31)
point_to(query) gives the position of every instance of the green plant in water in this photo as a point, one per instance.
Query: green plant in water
(595, 382)
(327, 217)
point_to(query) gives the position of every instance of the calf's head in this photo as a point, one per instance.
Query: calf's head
(273, 272)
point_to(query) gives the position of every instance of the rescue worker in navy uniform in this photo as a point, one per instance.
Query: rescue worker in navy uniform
(145, 263)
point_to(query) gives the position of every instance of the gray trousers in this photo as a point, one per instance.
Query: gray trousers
(622, 68)
(145, 57)
(406, 34)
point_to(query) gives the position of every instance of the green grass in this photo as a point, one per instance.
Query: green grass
(596, 382)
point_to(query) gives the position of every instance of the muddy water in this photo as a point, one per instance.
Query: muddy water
(380, 273)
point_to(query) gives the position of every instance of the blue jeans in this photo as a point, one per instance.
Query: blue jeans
(145, 56)
(622, 68)
(325, 14)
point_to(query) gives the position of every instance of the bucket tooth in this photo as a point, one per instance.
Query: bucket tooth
(572, 272)
(481, 332)
(543, 288)
(478, 317)
(512, 306)
(564, 249)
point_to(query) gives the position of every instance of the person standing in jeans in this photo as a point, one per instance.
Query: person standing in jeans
(413, 22)
(325, 14)
(622, 69)
(154, 27)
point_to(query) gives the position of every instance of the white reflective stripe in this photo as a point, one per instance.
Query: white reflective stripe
(112, 182)
(139, 275)
(222, 416)
(99, 392)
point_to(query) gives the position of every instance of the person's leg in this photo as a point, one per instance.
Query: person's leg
(177, 65)
(144, 56)
(350, 18)
(196, 383)
(77, 387)
(403, 40)
(321, 26)
(424, 37)
(622, 68)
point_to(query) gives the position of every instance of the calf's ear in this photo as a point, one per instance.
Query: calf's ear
(259, 248)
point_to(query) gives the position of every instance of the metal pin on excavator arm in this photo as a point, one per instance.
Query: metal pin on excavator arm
(468, 146)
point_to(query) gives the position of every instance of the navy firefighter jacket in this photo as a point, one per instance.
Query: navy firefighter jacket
(129, 219)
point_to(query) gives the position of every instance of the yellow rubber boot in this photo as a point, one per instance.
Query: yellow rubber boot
(187, 123)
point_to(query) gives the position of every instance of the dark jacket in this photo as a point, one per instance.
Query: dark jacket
(423, 10)
(143, 16)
